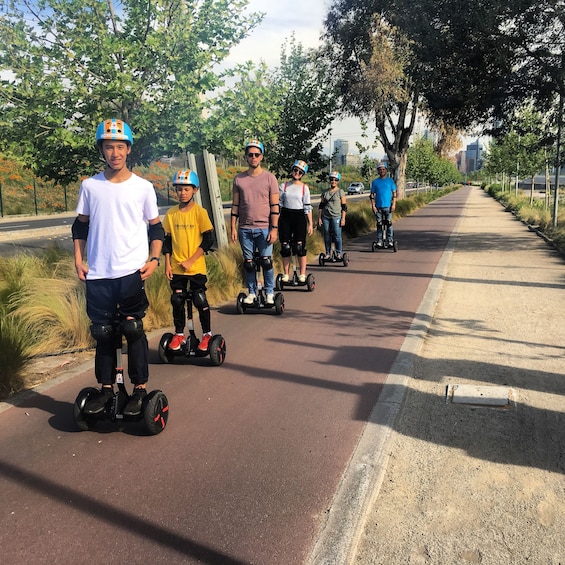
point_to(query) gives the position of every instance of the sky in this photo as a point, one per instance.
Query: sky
(305, 19)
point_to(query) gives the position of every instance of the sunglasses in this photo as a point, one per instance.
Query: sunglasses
(254, 155)
(298, 171)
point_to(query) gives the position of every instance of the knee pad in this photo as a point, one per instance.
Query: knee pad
(132, 330)
(266, 263)
(177, 299)
(286, 251)
(102, 333)
(199, 299)
(299, 250)
(248, 265)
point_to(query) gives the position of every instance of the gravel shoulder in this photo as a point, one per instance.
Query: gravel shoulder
(468, 483)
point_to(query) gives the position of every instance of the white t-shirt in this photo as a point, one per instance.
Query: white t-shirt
(117, 243)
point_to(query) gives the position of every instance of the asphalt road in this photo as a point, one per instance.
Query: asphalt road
(254, 450)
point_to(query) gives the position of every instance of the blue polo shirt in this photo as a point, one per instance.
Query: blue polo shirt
(383, 189)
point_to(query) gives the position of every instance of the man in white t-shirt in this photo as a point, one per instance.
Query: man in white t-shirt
(117, 216)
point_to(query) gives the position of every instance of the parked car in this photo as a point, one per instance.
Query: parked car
(356, 188)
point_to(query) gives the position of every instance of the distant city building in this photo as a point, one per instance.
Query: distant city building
(473, 157)
(341, 149)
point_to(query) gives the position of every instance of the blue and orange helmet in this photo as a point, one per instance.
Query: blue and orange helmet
(255, 143)
(302, 165)
(335, 175)
(114, 129)
(186, 177)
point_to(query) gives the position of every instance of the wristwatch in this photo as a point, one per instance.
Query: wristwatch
(155, 259)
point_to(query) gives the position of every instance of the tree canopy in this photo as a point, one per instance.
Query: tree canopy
(69, 64)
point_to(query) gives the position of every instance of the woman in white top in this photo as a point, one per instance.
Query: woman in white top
(295, 220)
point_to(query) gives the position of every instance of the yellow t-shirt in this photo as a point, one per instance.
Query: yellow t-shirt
(186, 229)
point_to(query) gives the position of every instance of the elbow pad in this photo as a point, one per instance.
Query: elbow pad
(276, 210)
(322, 205)
(156, 231)
(344, 207)
(80, 229)
(207, 241)
(167, 245)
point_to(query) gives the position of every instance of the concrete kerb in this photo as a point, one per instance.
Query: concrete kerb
(339, 536)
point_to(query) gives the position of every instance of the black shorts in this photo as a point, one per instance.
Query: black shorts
(292, 226)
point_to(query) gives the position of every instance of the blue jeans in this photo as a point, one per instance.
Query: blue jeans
(384, 219)
(332, 227)
(251, 239)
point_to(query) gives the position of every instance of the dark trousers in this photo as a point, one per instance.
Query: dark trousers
(106, 301)
(180, 283)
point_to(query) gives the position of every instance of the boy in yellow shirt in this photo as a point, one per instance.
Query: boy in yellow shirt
(188, 236)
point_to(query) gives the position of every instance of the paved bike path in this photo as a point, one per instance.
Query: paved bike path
(255, 450)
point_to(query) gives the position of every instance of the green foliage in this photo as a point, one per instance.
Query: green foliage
(424, 164)
(72, 63)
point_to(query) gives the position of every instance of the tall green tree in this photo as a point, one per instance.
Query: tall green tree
(307, 102)
(68, 64)
(372, 59)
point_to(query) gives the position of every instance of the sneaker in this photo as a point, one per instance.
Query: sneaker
(97, 402)
(250, 298)
(380, 244)
(390, 243)
(285, 278)
(339, 257)
(270, 298)
(177, 341)
(302, 278)
(135, 402)
(204, 342)
(327, 257)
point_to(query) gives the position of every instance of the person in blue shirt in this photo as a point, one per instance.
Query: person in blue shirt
(383, 202)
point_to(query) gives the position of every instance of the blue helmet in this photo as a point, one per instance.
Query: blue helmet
(186, 177)
(382, 165)
(301, 165)
(335, 175)
(114, 129)
(255, 143)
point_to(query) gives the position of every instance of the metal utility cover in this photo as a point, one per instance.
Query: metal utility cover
(482, 395)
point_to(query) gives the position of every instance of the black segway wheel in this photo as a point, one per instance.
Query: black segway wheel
(279, 282)
(83, 421)
(165, 354)
(345, 259)
(155, 412)
(321, 260)
(310, 282)
(374, 246)
(217, 349)
(239, 304)
(279, 303)
(394, 246)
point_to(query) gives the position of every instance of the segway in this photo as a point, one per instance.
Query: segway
(294, 281)
(216, 347)
(154, 410)
(385, 244)
(333, 254)
(260, 301)
(333, 258)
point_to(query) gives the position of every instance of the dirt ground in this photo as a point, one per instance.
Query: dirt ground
(466, 483)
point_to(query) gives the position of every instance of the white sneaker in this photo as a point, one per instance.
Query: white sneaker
(302, 278)
(250, 298)
(285, 278)
(270, 298)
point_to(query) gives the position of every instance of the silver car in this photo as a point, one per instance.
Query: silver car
(356, 188)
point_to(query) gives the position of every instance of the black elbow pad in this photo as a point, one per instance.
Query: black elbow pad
(167, 245)
(344, 207)
(207, 241)
(80, 229)
(156, 232)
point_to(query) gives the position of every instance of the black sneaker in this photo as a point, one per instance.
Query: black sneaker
(97, 402)
(135, 402)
